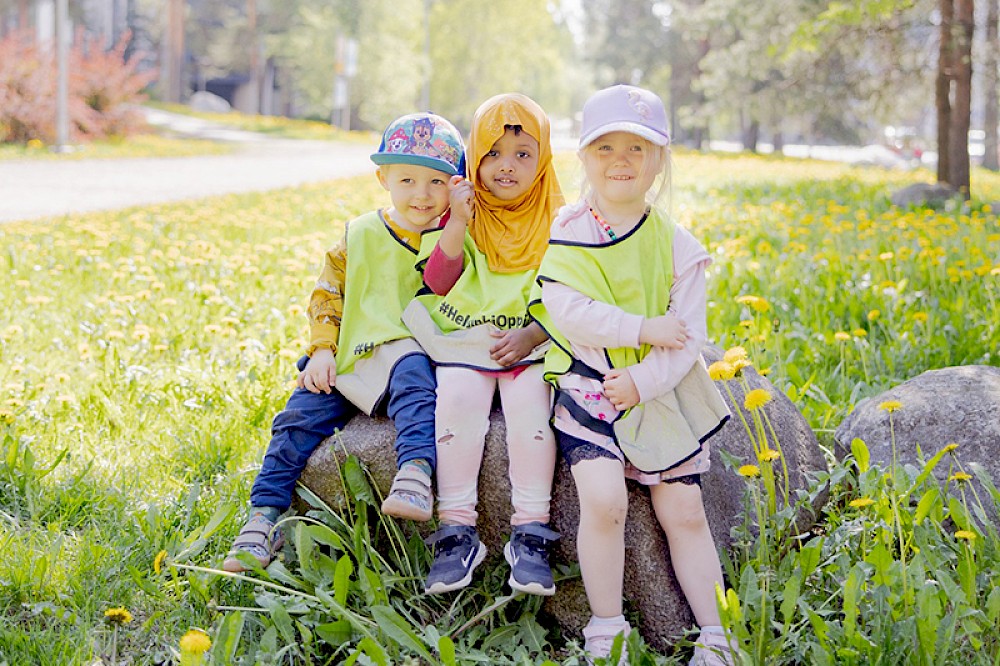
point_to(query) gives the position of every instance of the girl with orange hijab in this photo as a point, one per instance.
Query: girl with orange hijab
(472, 320)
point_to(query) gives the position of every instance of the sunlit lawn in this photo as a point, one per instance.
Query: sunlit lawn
(144, 353)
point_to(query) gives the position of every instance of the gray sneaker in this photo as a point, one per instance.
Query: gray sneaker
(457, 553)
(527, 553)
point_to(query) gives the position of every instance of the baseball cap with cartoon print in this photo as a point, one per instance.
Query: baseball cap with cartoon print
(423, 139)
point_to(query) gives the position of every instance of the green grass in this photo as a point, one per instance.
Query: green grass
(146, 351)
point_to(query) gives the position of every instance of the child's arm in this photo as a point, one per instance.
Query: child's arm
(591, 323)
(515, 344)
(461, 196)
(444, 266)
(326, 305)
(663, 369)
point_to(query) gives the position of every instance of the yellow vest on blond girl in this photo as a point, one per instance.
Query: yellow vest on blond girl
(634, 273)
(380, 281)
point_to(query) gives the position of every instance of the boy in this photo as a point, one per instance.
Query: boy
(361, 356)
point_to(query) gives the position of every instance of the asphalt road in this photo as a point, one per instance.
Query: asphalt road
(36, 189)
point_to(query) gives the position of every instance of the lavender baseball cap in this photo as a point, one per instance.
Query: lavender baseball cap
(624, 108)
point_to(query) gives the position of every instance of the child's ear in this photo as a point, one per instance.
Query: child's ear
(382, 173)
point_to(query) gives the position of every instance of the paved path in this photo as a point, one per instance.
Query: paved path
(31, 189)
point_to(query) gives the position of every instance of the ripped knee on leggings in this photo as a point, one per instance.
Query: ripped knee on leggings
(446, 437)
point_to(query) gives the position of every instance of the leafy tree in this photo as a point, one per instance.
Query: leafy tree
(482, 49)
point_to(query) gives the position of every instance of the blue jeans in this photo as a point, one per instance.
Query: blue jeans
(309, 418)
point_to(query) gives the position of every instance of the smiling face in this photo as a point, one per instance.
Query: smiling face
(419, 194)
(621, 167)
(508, 169)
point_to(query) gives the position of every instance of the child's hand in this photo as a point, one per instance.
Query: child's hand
(512, 345)
(460, 194)
(664, 331)
(620, 389)
(320, 374)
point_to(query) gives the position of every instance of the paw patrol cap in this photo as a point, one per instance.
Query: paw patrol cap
(624, 108)
(423, 139)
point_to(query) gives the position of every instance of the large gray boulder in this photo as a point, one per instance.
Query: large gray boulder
(920, 195)
(959, 405)
(650, 585)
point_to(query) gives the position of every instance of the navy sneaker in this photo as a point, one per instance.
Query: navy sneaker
(457, 553)
(527, 553)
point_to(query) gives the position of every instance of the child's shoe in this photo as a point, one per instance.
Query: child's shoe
(260, 538)
(527, 553)
(712, 649)
(410, 496)
(457, 553)
(600, 637)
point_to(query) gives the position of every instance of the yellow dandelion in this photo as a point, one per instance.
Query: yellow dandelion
(920, 316)
(859, 332)
(951, 447)
(118, 616)
(960, 476)
(968, 535)
(158, 561)
(6, 417)
(841, 336)
(213, 329)
(756, 399)
(768, 455)
(720, 370)
(764, 372)
(195, 642)
(739, 364)
(746, 323)
(890, 406)
(886, 256)
(114, 335)
(749, 471)
(734, 354)
(873, 315)
(861, 502)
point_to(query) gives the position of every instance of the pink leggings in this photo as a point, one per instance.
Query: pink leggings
(464, 399)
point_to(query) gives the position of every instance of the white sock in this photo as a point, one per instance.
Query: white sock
(614, 621)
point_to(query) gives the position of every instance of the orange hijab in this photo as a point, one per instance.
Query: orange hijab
(513, 234)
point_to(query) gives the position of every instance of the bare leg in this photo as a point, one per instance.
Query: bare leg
(696, 563)
(600, 541)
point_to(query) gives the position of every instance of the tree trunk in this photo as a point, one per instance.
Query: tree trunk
(751, 135)
(961, 112)
(942, 91)
(991, 88)
(255, 70)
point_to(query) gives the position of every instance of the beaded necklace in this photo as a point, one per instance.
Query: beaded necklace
(604, 224)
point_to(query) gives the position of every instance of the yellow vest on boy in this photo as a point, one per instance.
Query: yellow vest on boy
(380, 280)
